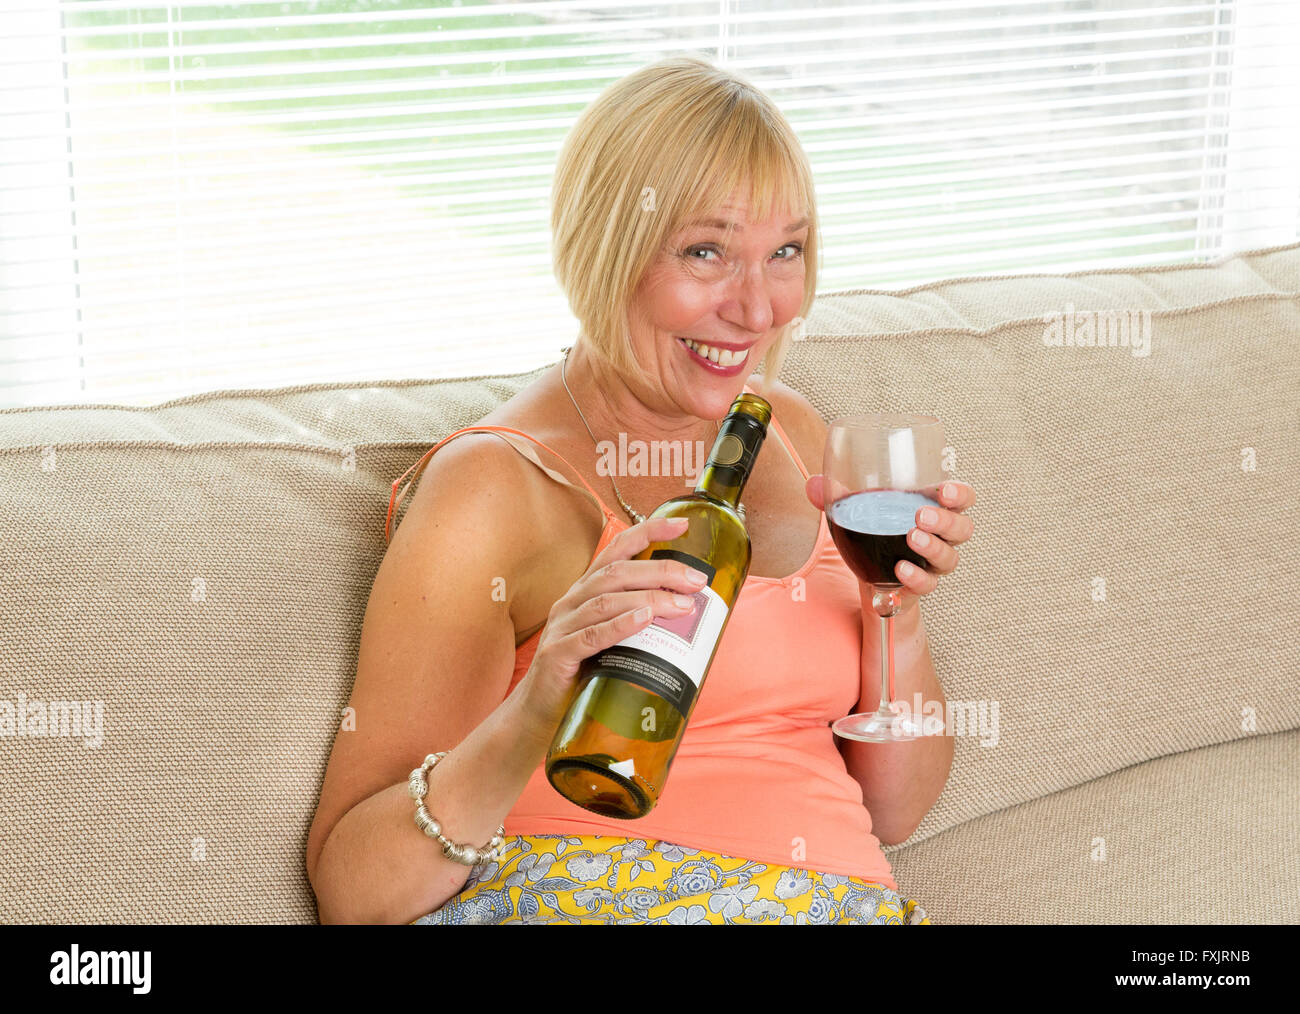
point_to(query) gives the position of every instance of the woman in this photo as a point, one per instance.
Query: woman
(514, 562)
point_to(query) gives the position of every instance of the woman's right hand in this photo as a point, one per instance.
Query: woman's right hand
(614, 599)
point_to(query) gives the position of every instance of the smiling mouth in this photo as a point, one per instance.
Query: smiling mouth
(720, 357)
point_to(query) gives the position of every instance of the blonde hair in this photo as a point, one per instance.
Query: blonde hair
(656, 150)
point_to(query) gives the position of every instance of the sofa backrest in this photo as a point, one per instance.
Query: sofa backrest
(199, 571)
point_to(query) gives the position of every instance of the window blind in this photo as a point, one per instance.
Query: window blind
(197, 196)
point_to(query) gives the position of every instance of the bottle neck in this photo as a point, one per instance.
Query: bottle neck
(732, 459)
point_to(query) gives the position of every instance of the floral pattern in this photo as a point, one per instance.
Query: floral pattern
(549, 878)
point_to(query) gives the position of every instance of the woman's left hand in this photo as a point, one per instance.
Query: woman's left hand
(949, 528)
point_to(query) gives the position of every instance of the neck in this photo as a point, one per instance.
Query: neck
(614, 404)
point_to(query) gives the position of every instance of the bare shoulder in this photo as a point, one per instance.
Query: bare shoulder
(541, 532)
(481, 465)
(802, 423)
(466, 521)
(476, 472)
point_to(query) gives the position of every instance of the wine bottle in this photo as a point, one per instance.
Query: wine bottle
(616, 742)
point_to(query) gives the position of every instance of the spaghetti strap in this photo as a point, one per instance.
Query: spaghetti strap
(396, 498)
(528, 452)
(780, 432)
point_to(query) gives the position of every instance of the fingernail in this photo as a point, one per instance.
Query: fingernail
(697, 576)
(928, 516)
(683, 601)
(906, 569)
(919, 538)
(950, 492)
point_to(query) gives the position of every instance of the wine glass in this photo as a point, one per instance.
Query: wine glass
(878, 470)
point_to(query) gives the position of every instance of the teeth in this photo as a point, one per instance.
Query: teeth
(723, 357)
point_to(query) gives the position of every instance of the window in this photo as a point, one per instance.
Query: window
(197, 196)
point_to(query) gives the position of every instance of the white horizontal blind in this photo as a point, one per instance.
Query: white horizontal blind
(197, 196)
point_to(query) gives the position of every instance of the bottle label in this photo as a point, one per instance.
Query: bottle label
(672, 654)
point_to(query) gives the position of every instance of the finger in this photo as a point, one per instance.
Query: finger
(952, 528)
(628, 543)
(956, 496)
(916, 580)
(815, 490)
(622, 547)
(631, 575)
(610, 605)
(583, 611)
(615, 569)
(941, 557)
(588, 639)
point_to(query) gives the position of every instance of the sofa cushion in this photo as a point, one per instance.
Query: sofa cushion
(1206, 836)
(202, 567)
(991, 300)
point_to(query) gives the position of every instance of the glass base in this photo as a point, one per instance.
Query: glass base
(881, 726)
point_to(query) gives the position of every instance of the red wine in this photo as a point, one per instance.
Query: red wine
(870, 529)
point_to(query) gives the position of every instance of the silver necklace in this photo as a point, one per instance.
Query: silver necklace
(635, 515)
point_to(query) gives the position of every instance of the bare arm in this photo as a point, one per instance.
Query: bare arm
(900, 781)
(377, 866)
(436, 656)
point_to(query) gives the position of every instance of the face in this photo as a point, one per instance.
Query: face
(730, 297)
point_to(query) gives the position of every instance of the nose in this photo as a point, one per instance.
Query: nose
(749, 291)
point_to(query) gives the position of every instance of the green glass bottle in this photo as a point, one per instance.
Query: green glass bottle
(613, 749)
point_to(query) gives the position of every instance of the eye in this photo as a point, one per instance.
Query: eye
(700, 249)
(691, 251)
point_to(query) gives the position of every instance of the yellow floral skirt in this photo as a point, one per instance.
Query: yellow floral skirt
(574, 879)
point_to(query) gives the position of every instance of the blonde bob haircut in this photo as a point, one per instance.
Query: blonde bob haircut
(655, 151)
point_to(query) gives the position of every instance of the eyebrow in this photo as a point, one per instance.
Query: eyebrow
(717, 223)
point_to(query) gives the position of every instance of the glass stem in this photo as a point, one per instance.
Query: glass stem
(886, 660)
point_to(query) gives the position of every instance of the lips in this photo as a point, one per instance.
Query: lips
(715, 368)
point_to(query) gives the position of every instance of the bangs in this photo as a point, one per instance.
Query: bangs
(746, 159)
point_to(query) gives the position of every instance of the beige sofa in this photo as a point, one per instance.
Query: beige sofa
(1130, 602)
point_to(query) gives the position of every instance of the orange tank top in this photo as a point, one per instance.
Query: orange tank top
(757, 775)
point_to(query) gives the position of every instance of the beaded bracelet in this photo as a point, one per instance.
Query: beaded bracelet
(418, 786)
